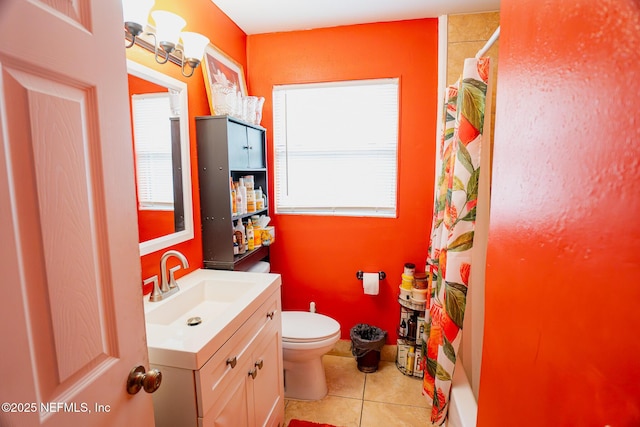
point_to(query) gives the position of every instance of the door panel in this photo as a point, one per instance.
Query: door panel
(238, 147)
(73, 322)
(256, 148)
(68, 302)
(268, 387)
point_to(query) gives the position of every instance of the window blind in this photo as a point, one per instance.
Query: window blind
(152, 135)
(335, 148)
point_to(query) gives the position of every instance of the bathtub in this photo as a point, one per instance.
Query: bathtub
(463, 408)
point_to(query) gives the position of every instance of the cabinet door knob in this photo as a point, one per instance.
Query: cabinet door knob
(259, 363)
(270, 314)
(232, 361)
(253, 373)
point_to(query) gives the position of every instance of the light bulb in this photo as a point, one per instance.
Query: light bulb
(135, 14)
(168, 27)
(194, 45)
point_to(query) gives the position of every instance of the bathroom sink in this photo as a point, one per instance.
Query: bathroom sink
(184, 329)
(206, 300)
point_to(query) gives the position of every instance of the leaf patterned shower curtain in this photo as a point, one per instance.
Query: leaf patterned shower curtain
(454, 216)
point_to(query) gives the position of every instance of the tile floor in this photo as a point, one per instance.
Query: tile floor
(380, 399)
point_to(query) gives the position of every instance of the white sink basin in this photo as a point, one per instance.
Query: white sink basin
(206, 299)
(222, 300)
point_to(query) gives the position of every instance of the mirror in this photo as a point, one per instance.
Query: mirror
(165, 209)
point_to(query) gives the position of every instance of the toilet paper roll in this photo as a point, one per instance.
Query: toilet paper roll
(371, 283)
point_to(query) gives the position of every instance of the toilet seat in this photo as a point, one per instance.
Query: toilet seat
(304, 326)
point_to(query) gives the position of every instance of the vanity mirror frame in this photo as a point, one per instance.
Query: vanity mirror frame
(163, 242)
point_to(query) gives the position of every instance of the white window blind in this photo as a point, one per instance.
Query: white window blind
(152, 136)
(336, 148)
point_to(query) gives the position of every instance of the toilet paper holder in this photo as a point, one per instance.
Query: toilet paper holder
(360, 274)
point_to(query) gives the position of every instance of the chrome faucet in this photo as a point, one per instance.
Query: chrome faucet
(168, 284)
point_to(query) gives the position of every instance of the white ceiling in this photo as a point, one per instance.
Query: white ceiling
(268, 16)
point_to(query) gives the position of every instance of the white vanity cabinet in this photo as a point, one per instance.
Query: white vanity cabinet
(241, 385)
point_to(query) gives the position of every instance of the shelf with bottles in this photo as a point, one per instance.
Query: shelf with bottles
(410, 360)
(410, 340)
(247, 195)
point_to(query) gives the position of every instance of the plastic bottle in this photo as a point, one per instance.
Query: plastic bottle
(251, 200)
(264, 198)
(239, 200)
(257, 231)
(243, 191)
(250, 236)
(241, 237)
(234, 199)
(236, 247)
(259, 199)
(411, 360)
(403, 328)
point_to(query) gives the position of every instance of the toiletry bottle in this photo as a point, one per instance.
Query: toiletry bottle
(403, 328)
(243, 191)
(264, 198)
(411, 327)
(250, 236)
(411, 360)
(243, 195)
(259, 199)
(251, 200)
(234, 199)
(236, 248)
(239, 200)
(241, 237)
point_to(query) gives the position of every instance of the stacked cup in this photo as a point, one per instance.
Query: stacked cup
(407, 281)
(420, 287)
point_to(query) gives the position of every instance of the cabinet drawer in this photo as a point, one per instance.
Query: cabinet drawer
(218, 372)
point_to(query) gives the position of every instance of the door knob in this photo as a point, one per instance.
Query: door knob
(139, 378)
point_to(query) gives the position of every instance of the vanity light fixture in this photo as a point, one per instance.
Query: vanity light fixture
(166, 36)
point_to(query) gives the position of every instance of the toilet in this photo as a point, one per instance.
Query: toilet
(306, 337)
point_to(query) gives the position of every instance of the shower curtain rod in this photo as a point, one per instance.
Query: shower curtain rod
(489, 43)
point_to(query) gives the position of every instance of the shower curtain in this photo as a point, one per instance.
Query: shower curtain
(454, 215)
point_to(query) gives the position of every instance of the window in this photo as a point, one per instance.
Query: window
(152, 135)
(336, 148)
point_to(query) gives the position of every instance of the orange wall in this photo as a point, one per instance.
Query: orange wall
(561, 340)
(204, 17)
(154, 223)
(318, 256)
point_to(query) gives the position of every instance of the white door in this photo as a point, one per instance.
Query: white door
(71, 315)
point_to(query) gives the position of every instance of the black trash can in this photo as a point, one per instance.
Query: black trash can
(366, 343)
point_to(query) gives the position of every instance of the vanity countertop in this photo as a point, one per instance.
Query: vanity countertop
(223, 300)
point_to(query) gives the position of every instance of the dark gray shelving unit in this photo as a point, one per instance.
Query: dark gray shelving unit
(228, 148)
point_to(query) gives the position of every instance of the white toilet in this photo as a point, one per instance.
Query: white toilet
(306, 337)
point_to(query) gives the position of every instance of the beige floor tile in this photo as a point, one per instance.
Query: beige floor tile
(342, 348)
(376, 414)
(388, 353)
(338, 411)
(343, 377)
(388, 385)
